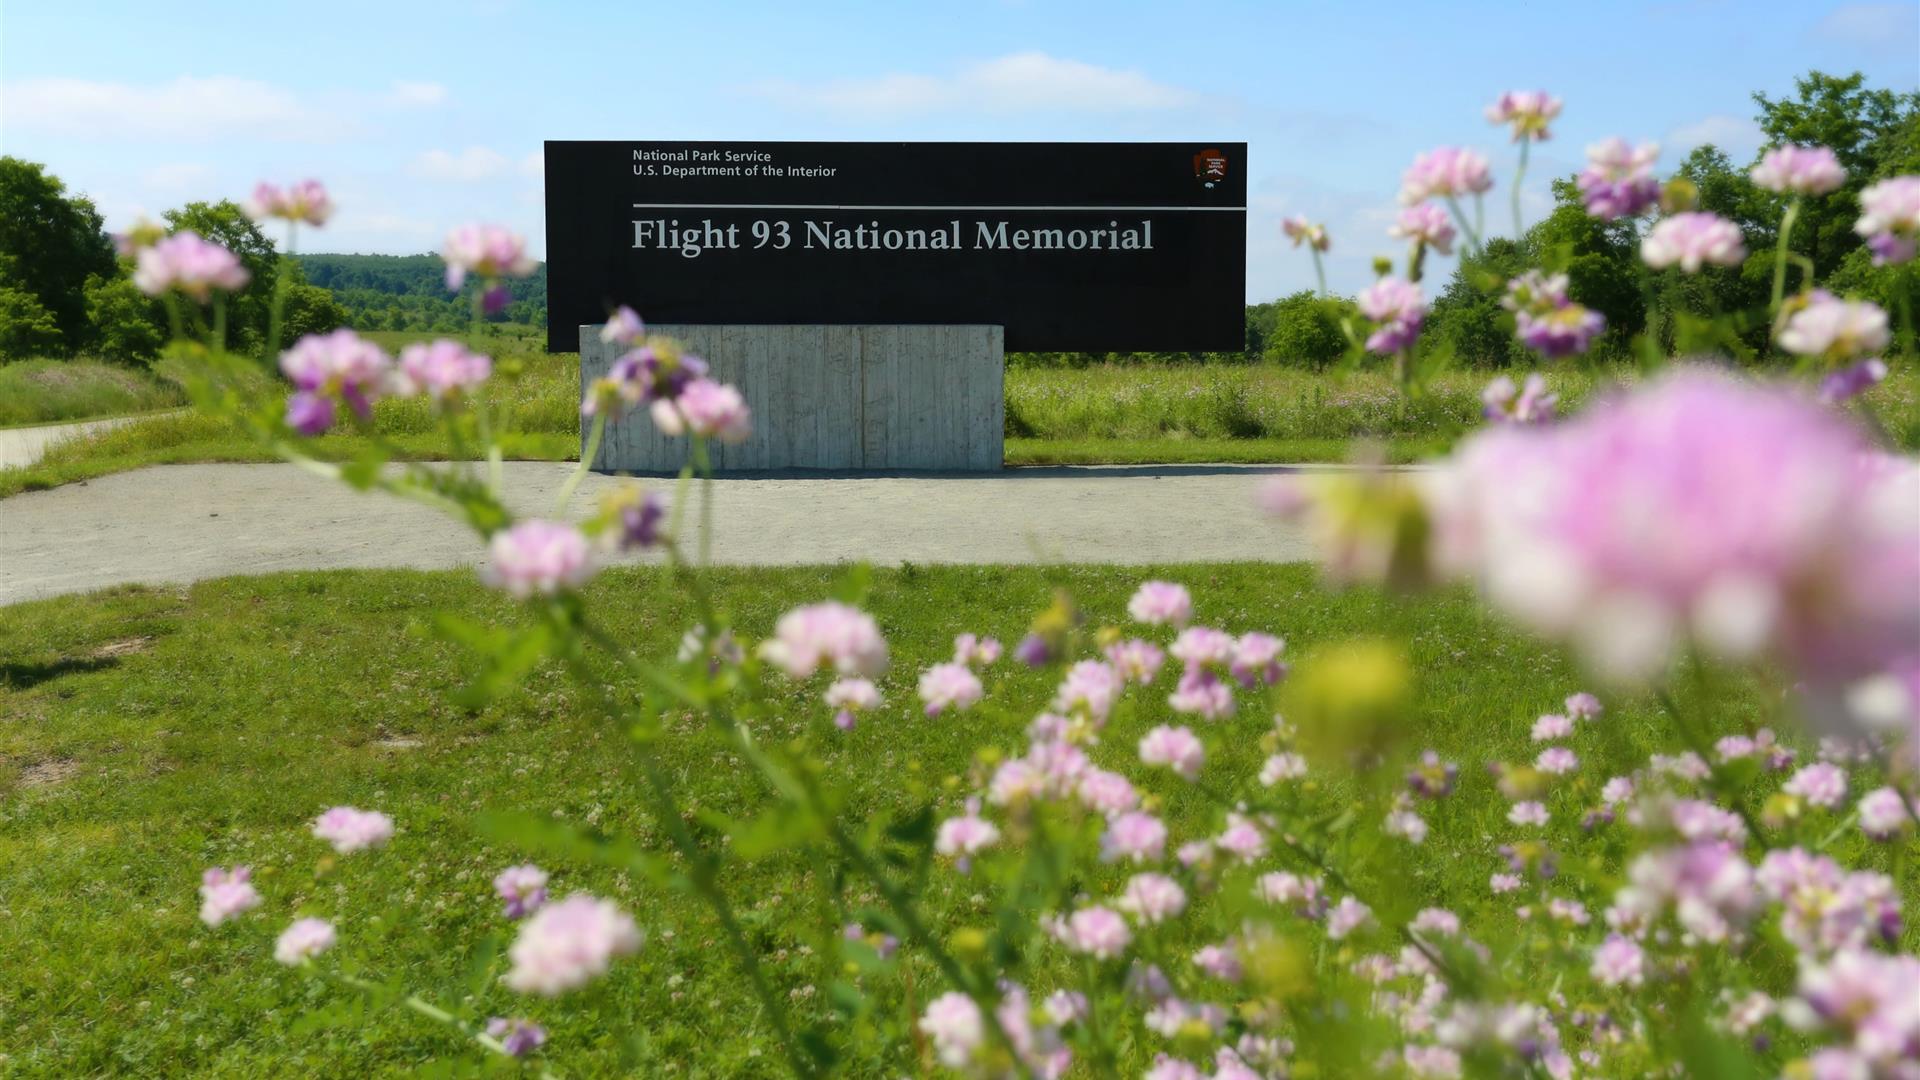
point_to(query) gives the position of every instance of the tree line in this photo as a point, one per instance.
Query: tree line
(409, 292)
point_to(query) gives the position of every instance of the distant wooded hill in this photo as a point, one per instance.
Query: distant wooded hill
(409, 292)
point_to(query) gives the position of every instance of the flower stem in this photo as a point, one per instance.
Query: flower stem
(1653, 328)
(1519, 173)
(1102, 1041)
(278, 307)
(587, 455)
(1315, 861)
(1906, 321)
(483, 418)
(1780, 256)
(704, 464)
(680, 484)
(801, 788)
(1319, 270)
(700, 869)
(917, 931)
(422, 1007)
(1460, 216)
(1698, 744)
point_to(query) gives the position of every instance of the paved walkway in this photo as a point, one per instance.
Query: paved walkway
(183, 523)
(23, 445)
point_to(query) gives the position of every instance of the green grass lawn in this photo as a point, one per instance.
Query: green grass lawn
(148, 733)
(56, 391)
(1193, 451)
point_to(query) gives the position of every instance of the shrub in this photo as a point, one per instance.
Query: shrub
(1306, 331)
(26, 328)
(1468, 318)
(311, 310)
(129, 326)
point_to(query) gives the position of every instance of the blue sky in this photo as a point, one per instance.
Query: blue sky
(423, 115)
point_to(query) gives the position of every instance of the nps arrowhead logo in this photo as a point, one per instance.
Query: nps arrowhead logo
(1209, 167)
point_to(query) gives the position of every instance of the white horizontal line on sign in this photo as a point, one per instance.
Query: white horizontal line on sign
(870, 206)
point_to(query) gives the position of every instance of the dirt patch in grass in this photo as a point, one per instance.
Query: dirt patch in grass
(48, 773)
(123, 647)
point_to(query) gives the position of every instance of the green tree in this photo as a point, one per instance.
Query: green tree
(1304, 331)
(1726, 190)
(311, 310)
(50, 243)
(1468, 318)
(368, 286)
(129, 325)
(224, 223)
(1600, 258)
(26, 327)
(1866, 128)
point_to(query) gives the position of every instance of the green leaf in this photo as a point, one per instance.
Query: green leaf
(864, 957)
(344, 1012)
(560, 840)
(916, 831)
(854, 585)
(846, 998)
(362, 471)
(480, 965)
(506, 655)
(782, 828)
(814, 1041)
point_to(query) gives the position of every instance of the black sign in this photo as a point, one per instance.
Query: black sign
(1071, 246)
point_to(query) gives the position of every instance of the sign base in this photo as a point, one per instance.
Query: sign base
(838, 398)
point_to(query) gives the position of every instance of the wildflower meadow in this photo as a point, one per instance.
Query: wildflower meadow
(1211, 850)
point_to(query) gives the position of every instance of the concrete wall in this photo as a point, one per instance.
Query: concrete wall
(831, 397)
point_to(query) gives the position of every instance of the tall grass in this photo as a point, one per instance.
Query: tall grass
(1201, 402)
(534, 392)
(47, 391)
(1239, 402)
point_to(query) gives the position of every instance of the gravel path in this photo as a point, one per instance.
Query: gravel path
(183, 523)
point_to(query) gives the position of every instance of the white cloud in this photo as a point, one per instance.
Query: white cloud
(534, 165)
(1736, 136)
(473, 164)
(377, 232)
(187, 108)
(417, 94)
(1890, 28)
(390, 223)
(1020, 82)
(179, 176)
